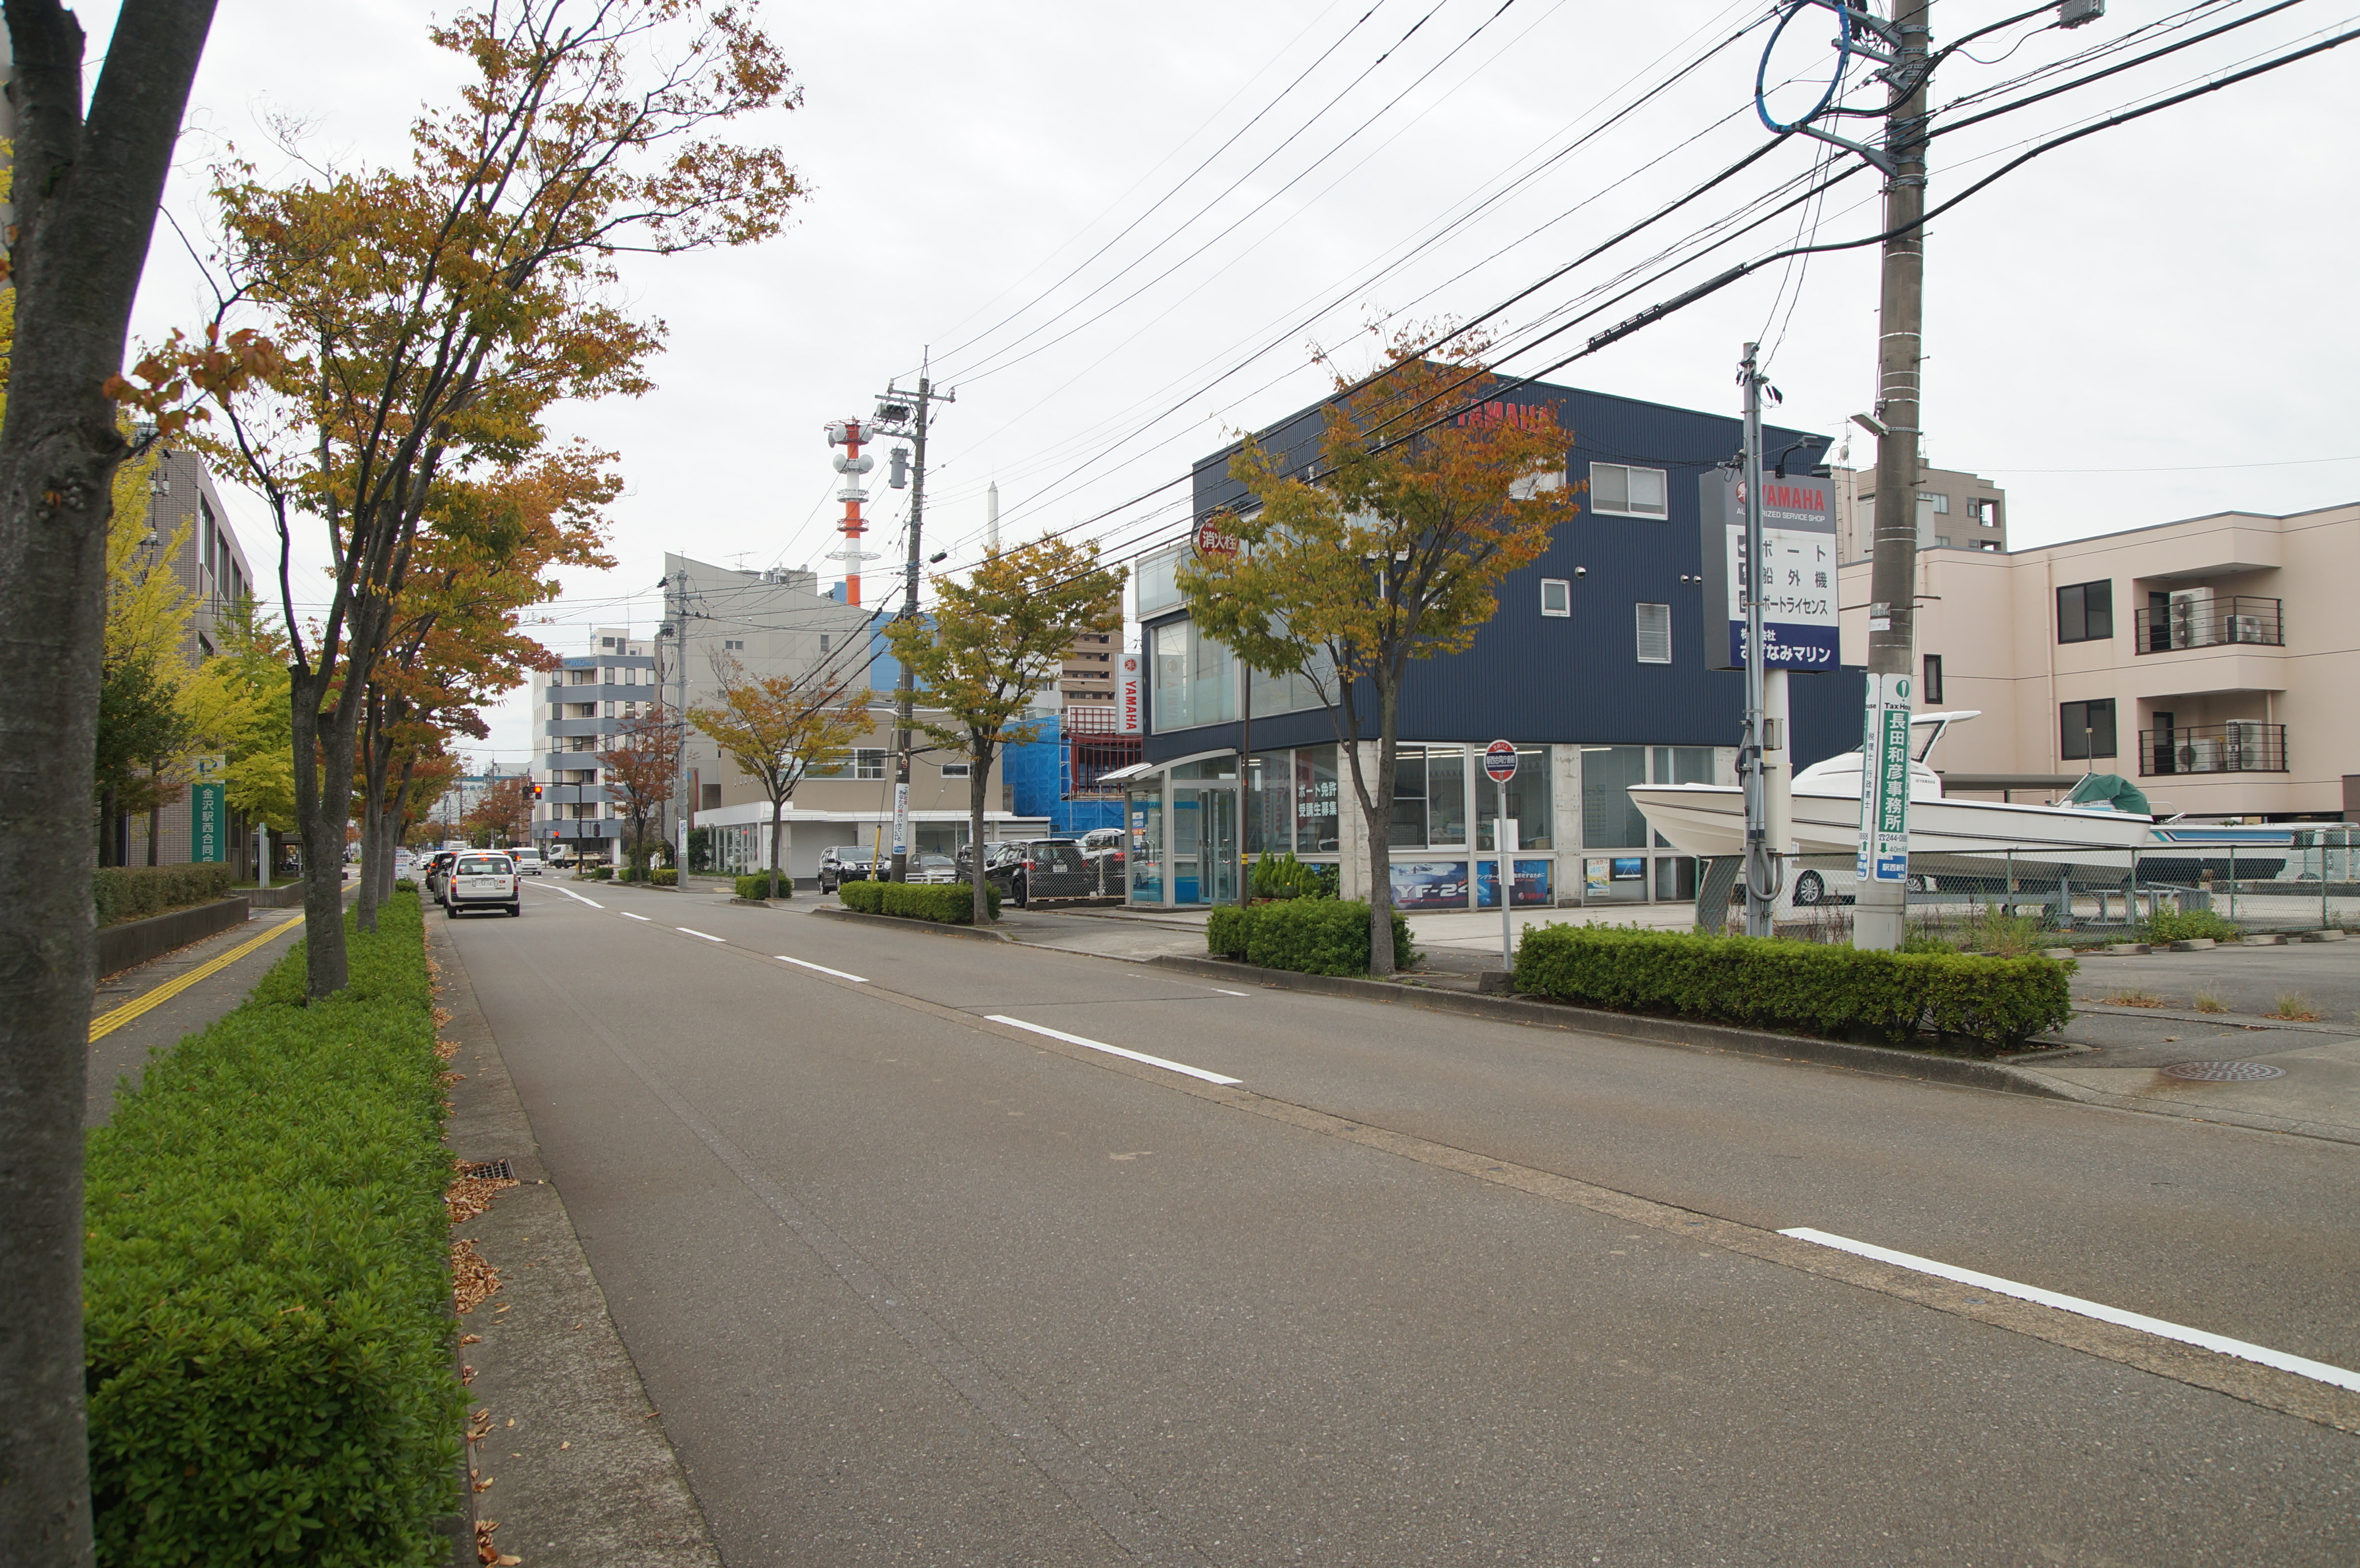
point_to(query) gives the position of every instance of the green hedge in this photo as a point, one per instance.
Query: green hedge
(951, 904)
(1818, 988)
(134, 892)
(758, 886)
(268, 1337)
(1312, 936)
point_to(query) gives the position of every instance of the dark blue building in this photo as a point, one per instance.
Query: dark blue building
(1594, 667)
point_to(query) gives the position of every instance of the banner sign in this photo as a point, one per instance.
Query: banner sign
(1884, 782)
(1798, 571)
(1130, 712)
(208, 813)
(900, 819)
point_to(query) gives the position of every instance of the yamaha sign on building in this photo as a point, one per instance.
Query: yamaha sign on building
(1797, 570)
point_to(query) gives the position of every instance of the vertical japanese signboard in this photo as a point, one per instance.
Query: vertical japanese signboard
(1884, 782)
(1798, 571)
(208, 813)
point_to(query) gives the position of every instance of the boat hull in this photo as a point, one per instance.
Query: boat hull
(1709, 820)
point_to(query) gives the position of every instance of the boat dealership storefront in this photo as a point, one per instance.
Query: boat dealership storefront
(1194, 829)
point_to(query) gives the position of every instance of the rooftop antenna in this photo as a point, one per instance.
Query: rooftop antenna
(991, 519)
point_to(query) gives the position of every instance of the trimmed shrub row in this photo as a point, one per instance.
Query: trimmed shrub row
(267, 1337)
(949, 905)
(1312, 936)
(134, 892)
(758, 886)
(1818, 988)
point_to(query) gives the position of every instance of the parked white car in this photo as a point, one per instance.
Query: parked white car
(528, 861)
(482, 879)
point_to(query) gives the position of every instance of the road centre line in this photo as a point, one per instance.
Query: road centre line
(628, 916)
(824, 969)
(700, 933)
(2302, 1366)
(1114, 1050)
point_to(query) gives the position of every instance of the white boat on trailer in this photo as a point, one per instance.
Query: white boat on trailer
(1708, 820)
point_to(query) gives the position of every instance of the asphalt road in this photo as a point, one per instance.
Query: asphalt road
(911, 1285)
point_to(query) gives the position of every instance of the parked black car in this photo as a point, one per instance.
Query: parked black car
(438, 874)
(1026, 869)
(846, 863)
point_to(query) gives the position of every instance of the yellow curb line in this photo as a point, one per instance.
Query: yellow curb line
(106, 1023)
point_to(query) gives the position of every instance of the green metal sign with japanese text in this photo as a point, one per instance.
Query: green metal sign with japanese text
(1884, 782)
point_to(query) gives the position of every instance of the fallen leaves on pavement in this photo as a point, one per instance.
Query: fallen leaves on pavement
(487, 1552)
(473, 1281)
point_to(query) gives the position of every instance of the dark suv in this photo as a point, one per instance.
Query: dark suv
(846, 863)
(1026, 869)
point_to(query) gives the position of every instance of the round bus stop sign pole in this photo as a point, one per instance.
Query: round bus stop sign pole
(1500, 766)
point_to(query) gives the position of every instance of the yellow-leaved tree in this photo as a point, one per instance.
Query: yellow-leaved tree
(775, 727)
(1428, 491)
(992, 642)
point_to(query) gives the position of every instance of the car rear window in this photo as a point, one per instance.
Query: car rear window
(1063, 856)
(484, 866)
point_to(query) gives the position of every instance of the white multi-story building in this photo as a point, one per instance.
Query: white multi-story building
(579, 711)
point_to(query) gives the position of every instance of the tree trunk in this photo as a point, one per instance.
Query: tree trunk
(775, 803)
(84, 209)
(323, 792)
(978, 782)
(155, 829)
(106, 823)
(373, 765)
(396, 828)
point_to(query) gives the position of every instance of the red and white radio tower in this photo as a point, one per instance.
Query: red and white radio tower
(850, 434)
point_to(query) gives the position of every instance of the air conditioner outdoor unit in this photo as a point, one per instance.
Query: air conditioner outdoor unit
(2191, 618)
(2245, 628)
(2201, 755)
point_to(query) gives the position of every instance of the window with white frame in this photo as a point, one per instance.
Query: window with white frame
(958, 769)
(1619, 490)
(868, 762)
(1655, 634)
(1557, 596)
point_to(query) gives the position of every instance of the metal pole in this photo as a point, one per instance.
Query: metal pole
(1759, 892)
(1246, 791)
(1881, 908)
(1507, 889)
(905, 687)
(681, 802)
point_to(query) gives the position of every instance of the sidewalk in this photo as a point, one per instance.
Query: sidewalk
(179, 1001)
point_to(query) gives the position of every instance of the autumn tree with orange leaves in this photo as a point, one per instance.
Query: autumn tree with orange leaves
(776, 727)
(1427, 492)
(433, 315)
(639, 771)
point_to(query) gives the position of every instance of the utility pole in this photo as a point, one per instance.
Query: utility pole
(897, 414)
(1881, 908)
(676, 602)
(1761, 881)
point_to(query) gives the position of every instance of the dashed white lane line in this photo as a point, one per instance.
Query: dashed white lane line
(824, 969)
(1221, 992)
(1113, 1050)
(576, 897)
(687, 932)
(2302, 1366)
(628, 916)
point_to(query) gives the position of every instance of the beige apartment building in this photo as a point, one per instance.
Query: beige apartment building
(2211, 661)
(1955, 511)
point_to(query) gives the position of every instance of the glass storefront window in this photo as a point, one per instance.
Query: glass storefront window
(1195, 679)
(1609, 818)
(1316, 801)
(1409, 797)
(1269, 813)
(1144, 855)
(1528, 802)
(1446, 795)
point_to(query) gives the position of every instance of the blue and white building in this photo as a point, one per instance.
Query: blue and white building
(1594, 667)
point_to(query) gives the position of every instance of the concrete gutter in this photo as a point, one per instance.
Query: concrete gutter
(1884, 1061)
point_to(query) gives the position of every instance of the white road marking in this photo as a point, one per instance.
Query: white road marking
(856, 979)
(1114, 1050)
(575, 897)
(628, 916)
(2302, 1366)
(1232, 993)
(700, 933)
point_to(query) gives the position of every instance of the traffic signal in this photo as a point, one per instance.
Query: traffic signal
(536, 791)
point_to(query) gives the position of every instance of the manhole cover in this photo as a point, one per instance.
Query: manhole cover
(2223, 1072)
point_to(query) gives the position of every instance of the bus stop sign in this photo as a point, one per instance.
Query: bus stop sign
(1500, 761)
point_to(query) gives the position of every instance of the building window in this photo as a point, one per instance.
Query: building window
(1655, 634)
(824, 640)
(2086, 730)
(1985, 509)
(1195, 683)
(1622, 491)
(1930, 688)
(605, 642)
(2085, 613)
(1429, 797)
(1938, 504)
(1557, 596)
(958, 769)
(1608, 819)
(734, 645)
(868, 762)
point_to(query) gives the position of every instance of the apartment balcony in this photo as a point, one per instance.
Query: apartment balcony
(2239, 746)
(2231, 620)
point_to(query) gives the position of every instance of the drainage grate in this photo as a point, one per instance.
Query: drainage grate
(489, 1170)
(2223, 1072)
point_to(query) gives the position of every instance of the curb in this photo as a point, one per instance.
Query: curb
(902, 922)
(2258, 1021)
(2328, 1132)
(1882, 1060)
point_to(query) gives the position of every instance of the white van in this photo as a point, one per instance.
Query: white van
(528, 861)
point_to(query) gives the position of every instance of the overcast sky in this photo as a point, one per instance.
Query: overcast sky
(2144, 326)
